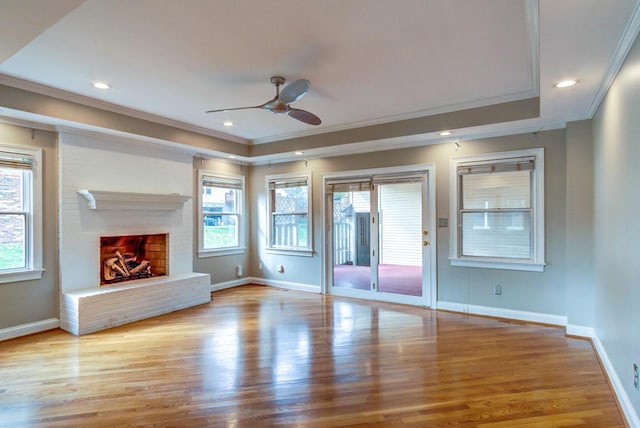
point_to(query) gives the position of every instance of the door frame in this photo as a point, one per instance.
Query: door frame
(429, 207)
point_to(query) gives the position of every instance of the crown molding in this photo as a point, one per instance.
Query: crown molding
(622, 50)
(9, 120)
(41, 89)
(533, 22)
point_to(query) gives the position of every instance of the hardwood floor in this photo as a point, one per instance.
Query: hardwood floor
(258, 356)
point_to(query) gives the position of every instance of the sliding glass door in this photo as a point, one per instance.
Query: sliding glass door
(377, 230)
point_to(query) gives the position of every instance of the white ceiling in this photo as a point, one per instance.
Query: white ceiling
(369, 61)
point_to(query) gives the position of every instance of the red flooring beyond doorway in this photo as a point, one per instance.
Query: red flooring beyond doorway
(397, 279)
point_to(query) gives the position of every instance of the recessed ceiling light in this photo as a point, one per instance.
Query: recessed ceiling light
(566, 83)
(445, 133)
(227, 123)
(101, 85)
(298, 153)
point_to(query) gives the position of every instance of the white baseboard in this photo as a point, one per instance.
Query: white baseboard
(30, 328)
(559, 320)
(297, 286)
(230, 284)
(625, 402)
(580, 331)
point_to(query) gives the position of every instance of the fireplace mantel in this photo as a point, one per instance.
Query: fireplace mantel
(109, 200)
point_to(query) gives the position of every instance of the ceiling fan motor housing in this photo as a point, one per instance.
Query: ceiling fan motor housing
(277, 80)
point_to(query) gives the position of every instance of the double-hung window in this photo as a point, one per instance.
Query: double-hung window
(498, 203)
(20, 214)
(221, 214)
(289, 205)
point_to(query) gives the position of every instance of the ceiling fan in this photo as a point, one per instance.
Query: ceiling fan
(280, 103)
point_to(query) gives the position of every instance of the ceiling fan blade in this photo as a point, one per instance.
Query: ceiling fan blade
(304, 116)
(229, 109)
(294, 91)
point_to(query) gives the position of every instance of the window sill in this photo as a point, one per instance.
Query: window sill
(290, 252)
(218, 253)
(497, 264)
(20, 275)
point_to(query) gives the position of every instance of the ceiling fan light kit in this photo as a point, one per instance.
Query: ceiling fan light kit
(280, 103)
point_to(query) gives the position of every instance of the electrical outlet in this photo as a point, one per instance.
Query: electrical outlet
(238, 271)
(260, 265)
(497, 289)
(636, 381)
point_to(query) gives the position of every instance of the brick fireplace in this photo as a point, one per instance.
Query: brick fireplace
(126, 207)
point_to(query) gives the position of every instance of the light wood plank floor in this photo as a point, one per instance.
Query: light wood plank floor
(258, 356)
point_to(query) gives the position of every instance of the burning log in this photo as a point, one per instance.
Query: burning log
(144, 265)
(119, 268)
(122, 263)
(113, 267)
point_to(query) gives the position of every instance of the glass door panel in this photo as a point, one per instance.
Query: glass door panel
(400, 240)
(352, 239)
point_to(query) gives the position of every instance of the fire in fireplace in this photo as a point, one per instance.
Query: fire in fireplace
(131, 257)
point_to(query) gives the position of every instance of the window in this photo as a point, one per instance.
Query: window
(289, 205)
(220, 218)
(20, 214)
(497, 205)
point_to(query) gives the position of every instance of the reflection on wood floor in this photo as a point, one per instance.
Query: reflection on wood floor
(258, 356)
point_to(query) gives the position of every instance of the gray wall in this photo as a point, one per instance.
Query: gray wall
(616, 133)
(579, 246)
(526, 291)
(221, 268)
(299, 269)
(24, 302)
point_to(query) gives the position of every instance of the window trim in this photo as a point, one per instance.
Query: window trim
(537, 262)
(241, 248)
(34, 233)
(298, 251)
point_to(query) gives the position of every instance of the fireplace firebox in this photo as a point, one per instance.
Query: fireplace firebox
(132, 257)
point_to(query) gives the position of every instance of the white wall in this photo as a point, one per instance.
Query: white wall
(106, 163)
(616, 133)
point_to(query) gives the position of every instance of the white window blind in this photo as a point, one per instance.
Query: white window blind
(355, 185)
(498, 204)
(16, 161)
(495, 209)
(222, 182)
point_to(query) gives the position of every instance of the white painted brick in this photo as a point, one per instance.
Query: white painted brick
(91, 310)
(88, 162)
